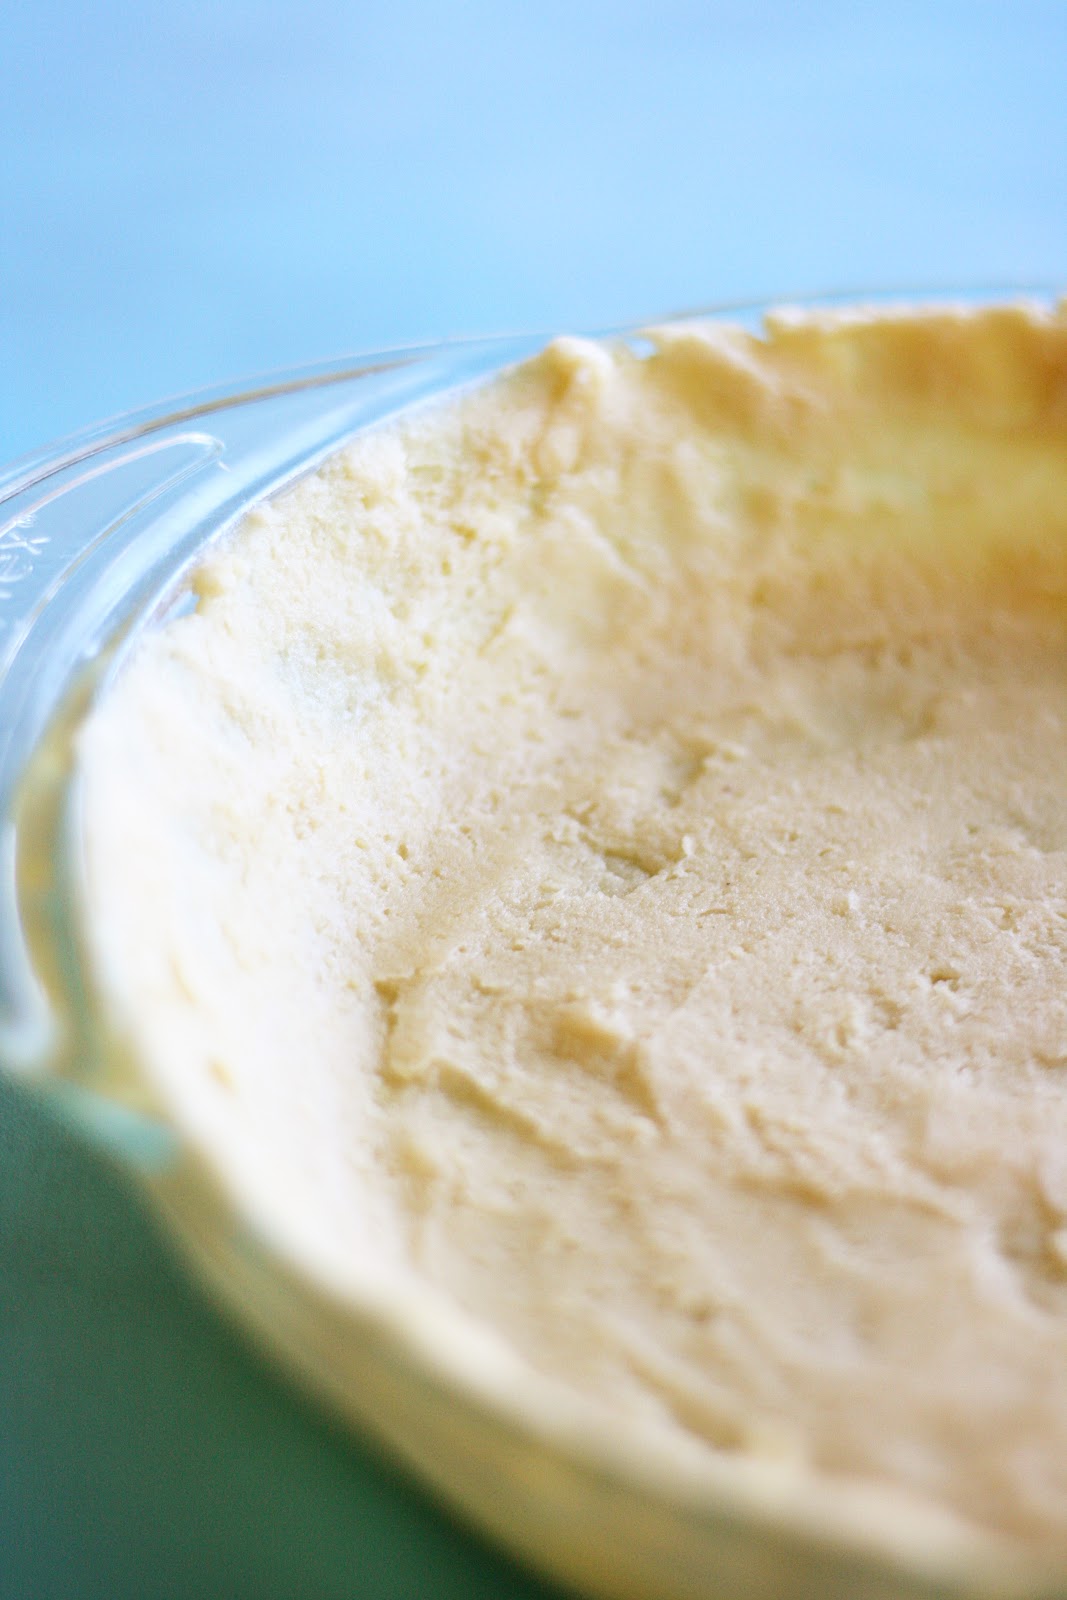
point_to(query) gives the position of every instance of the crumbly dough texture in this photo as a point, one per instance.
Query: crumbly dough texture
(602, 845)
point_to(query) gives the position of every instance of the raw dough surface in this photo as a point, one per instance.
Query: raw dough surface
(603, 844)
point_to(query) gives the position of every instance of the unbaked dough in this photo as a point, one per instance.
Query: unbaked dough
(600, 846)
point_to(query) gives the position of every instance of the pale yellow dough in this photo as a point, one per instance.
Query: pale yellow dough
(602, 846)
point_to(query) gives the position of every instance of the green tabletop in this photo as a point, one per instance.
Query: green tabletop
(149, 1449)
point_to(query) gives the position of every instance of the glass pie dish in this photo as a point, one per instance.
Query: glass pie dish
(97, 539)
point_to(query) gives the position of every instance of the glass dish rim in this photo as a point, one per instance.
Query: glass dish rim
(24, 470)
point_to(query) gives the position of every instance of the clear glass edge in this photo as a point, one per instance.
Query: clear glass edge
(26, 469)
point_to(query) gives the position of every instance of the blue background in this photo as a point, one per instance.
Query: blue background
(194, 193)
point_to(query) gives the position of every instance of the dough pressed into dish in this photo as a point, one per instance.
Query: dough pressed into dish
(598, 849)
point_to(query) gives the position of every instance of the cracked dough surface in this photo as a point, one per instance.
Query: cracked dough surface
(603, 845)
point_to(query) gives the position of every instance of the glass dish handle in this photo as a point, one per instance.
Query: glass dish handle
(59, 525)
